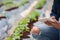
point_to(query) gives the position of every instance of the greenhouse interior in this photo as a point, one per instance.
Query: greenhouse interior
(18, 17)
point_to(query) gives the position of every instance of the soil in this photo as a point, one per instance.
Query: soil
(40, 8)
(11, 8)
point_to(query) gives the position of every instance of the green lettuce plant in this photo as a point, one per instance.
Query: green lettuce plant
(34, 14)
(40, 4)
(23, 2)
(23, 26)
(9, 4)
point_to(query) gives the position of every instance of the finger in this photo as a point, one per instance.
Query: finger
(48, 23)
(53, 23)
(53, 17)
(52, 20)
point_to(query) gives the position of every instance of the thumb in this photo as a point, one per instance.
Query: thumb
(52, 20)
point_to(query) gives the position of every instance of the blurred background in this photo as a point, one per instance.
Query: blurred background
(11, 9)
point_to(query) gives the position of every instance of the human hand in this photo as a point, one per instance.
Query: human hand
(53, 22)
(56, 24)
(35, 30)
(49, 21)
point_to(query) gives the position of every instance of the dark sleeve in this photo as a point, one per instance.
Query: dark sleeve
(54, 10)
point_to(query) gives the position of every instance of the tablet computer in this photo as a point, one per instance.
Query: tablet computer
(43, 19)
